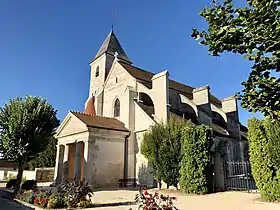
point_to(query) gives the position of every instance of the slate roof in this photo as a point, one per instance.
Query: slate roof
(146, 77)
(100, 122)
(110, 46)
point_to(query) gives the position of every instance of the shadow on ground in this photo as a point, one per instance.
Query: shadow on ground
(7, 202)
(128, 203)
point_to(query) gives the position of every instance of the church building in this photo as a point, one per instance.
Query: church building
(102, 143)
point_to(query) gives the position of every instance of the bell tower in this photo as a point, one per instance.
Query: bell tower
(102, 62)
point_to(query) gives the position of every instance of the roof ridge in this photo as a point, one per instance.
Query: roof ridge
(111, 118)
(137, 67)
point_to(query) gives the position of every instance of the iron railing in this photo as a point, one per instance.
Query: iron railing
(238, 176)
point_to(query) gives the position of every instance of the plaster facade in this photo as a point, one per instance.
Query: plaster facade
(138, 99)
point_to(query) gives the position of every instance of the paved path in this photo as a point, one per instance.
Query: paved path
(6, 202)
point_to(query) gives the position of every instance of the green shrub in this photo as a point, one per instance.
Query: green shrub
(196, 173)
(264, 150)
(75, 191)
(161, 145)
(149, 147)
(12, 176)
(84, 204)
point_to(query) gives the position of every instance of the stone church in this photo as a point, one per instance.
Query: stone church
(101, 144)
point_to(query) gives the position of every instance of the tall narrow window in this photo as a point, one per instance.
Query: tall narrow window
(97, 71)
(117, 108)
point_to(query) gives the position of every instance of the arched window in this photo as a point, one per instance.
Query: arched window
(97, 71)
(117, 108)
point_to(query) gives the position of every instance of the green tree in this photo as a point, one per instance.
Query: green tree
(264, 149)
(45, 158)
(252, 31)
(25, 125)
(196, 173)
(150, 145)
(170, 151)
(162, 148)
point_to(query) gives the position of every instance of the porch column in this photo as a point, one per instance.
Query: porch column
(85, 161)
(77, 166)
(65, 164)
(58, 164)
(89, 162)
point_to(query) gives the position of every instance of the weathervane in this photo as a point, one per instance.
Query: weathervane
(113, 19)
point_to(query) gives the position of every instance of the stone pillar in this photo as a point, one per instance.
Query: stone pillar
(58, 164)
(65, 164)
(77, 165)
(201, 98)
(160, 83)
(89, 161)
(229, 106)
(86, 165)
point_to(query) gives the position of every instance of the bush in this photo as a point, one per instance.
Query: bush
(196, 173)
(162, 147)
(57, 200)
(264, 150)
(10, 177)
(11, 183)
(72, 194)
(75, 191)
(29, 185)
(27, 197)
(154, 201)
(84, 204)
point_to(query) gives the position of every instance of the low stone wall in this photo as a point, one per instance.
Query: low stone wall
(29, 175)
(44, 174)
(40, 174)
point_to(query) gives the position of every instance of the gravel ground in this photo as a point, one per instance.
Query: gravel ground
(122, 199)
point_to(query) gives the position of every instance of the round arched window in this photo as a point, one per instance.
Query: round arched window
(117, 108)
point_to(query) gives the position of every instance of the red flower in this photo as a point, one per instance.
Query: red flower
(146, 192)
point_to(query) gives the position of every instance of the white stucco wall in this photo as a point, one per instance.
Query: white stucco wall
(109, 162)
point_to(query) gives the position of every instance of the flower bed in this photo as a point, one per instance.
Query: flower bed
(70, 195)
(154, 201)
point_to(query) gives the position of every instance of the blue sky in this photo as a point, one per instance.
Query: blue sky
(46, 47)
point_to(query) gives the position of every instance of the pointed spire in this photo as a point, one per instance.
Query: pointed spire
(111, 45)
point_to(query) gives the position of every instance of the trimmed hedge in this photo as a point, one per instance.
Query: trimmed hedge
(197, 165)
(264, 149)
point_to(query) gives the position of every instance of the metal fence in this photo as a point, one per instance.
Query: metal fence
(238, 176)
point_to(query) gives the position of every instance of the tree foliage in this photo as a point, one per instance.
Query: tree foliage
(25, 125)
(149, 147)
(170, 151)
(264, 149)
(196, 173)
(162, 147)
(252, 31)
(46, 158)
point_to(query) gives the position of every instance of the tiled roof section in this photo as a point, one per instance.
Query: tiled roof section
(100, 122)
(215, 101)
(150, 110)
(146, 76)
(137, 72)
(219, 129)
(90, 108)
(7, 164)
(181, 87)
(110, 46)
